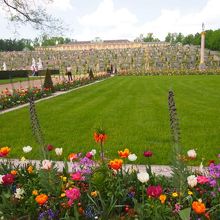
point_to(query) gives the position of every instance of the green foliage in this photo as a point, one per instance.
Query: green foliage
(212, 39)
(150, 38)
(185, 214)
(174, 123)
(179, 168)
(36, 128)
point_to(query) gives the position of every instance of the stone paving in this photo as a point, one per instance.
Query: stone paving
(163, 170)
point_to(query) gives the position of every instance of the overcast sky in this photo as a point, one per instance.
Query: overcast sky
(126, 19)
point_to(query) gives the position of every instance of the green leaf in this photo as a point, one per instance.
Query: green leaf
(185, 214)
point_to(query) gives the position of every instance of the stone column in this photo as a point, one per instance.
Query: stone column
(202, 51)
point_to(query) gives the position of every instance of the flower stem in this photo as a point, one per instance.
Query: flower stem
(102, 151)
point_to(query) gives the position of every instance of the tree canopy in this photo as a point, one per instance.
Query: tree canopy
(31, 12)
(25, 44)
(212, 39)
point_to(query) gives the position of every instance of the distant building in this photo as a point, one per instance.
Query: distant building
(102, 45)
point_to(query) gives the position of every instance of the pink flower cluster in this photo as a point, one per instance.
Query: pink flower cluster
(72, 194)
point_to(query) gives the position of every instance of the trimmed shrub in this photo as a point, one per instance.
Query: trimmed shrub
(14, 73)
(48, 83)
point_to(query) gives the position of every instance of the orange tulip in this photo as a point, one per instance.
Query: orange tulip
(4, 151)
(30, 169)
(116, 164)
(162, 198)
(124, 154)
(198, 207)
(41, 199)
(72, 156)
(14, 172)
(99, 137)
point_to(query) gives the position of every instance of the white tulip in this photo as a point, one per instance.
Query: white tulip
(191, 154)
(93, 152)
(59, 151)
(192, 180)
(27, 149)
(46, 164)
(143, 177)
(132, 157)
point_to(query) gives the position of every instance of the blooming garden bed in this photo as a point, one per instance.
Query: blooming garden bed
(99, 188)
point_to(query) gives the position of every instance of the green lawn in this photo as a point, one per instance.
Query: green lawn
(134, 112)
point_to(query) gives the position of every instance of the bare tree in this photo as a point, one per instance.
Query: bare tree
(32, 12)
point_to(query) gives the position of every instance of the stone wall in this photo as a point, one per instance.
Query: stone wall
(140, 59)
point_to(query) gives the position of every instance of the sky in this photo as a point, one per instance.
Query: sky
(124, 19)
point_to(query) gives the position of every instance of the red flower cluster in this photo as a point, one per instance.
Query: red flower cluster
(50, 147)
(8, 179)
(148, 153)
(154, 191)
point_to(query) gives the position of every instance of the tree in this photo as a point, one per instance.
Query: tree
(188, 39)
(150, 38)
(31, 12)
(171, 37)
(179, 38)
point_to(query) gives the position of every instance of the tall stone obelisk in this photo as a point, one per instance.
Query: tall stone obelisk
(202, 65)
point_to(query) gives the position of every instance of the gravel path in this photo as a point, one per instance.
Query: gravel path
(156, 169)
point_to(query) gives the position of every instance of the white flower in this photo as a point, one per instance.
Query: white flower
(59, 151)
(19, 193)
(191, 153)
(192, 180)
(201, 168)
(27, 149)
(46, 164)
(93, 152)
(132, 157)
(143, 177)
(1, 181)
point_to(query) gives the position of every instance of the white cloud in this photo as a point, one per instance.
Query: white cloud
(109, 22)
(62, 5)
(174, 21)
(105, 19)
(106, 16)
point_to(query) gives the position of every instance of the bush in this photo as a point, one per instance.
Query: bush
(14, 73)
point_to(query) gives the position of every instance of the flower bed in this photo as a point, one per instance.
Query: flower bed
(99, 188)
(170, 72)
(9, 99)
(20, 96)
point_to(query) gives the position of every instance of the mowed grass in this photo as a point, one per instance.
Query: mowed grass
(134, 112)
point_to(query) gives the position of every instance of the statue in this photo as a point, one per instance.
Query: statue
(202, 65)
(39, 64)
(203, 26)
(33, 62)
(4, 66)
